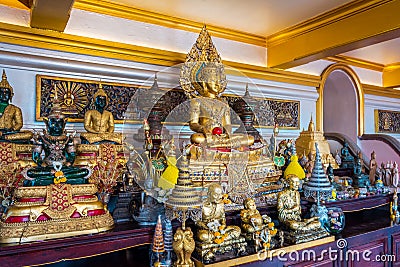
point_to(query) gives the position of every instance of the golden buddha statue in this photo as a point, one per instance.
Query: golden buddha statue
(252, 220)
(213, 235)
(289, 209)
(296, 230)
(210, 115)
(11, 120)
(213, 219)
(99, 122)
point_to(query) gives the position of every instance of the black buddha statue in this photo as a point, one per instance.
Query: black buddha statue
(59, 154)
(11, 120)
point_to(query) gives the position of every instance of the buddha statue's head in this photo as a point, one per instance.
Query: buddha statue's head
(100, 98)
(294, 182)
(249, 204)
(6, 91)
(56, 121)
(214, 193)
(209, 77)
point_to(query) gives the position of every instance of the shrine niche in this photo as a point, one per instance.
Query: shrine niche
(76, 97)
(387, 121)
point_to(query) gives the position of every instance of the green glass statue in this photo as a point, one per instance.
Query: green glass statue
(59, 155)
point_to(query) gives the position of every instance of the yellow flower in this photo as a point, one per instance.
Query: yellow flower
(63, 179)
(221, 227)
(58, 173)
(56, 181)
(271, 224)
(216, 234)
(218, 241)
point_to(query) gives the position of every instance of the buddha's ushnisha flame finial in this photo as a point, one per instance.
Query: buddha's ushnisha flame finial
(5, 84)
(202, 61)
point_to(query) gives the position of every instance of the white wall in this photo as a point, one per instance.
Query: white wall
(22, 64)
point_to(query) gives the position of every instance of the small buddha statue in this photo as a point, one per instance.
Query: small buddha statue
(289, 210)
(210, 115)
(99, 122)
(252, 220)
(11, 120)
(347, 159)
(59, 154)
(212, 227)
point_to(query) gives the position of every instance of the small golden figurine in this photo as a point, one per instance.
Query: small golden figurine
(183, 246)
(99, 122)
(213, 233)
(252, 220)
(11, 120)
(258, 229)
(289, 214)
(212, 227)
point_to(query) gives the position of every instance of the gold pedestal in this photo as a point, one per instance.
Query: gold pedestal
(88, 154)
(298, 237)
(209, 252)
(46, 212)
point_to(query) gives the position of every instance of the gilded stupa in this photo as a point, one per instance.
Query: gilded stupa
(306, 143)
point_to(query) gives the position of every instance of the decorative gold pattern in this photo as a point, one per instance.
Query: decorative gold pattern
(43, 230)
(76, 96)
(387, 121)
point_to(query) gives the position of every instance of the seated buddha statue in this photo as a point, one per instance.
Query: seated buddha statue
(99, 122)
(59, 154)
(289, 209)
(212, 227)
(252, 220)
(11, 120)
(210, 114)
(346, 158)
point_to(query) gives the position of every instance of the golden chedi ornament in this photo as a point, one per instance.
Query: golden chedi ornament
(217, 153)
(306, 143)
(99, 122)
(184, 202)
(296, 230)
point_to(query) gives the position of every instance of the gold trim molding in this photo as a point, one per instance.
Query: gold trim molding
(357, 62)
(327, 18)
(24, 36)
(129, 12)
(359, 90)
(380, 91)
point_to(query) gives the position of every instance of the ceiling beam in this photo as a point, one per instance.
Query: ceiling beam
(355, 25)
(50, 14)
(391, 75)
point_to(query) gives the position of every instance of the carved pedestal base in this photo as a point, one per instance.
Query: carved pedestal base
(211, 252)
(46, 212)
(297, 237)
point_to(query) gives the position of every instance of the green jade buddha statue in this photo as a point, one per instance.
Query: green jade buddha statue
(59, 155)
(11, 120)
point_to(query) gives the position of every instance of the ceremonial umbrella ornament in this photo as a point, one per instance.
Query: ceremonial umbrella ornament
(318, 187)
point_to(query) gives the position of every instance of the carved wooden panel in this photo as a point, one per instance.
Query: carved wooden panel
(396, 249)
(387, 121)
(76, 97)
